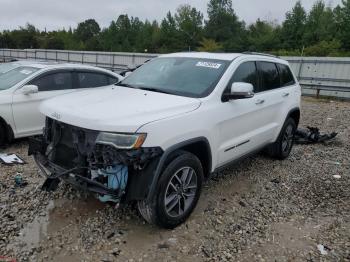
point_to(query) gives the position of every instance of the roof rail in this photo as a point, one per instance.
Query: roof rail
(257, 53)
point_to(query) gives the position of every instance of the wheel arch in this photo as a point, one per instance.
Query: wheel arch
(295, 115)
(8, 129)
(199, 146)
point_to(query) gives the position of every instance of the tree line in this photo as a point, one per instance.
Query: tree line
(323, 31)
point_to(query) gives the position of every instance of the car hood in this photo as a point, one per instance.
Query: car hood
(116, 108)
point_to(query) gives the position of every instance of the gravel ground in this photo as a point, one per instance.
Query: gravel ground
(259, 210)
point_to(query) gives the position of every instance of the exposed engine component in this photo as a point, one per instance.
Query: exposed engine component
(70, 153)
(114, 177)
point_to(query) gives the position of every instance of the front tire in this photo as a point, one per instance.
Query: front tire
(177, 193)
(285, 141)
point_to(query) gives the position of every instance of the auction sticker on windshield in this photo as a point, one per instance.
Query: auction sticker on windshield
(208, 64)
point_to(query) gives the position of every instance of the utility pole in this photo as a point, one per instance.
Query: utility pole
(191, 38)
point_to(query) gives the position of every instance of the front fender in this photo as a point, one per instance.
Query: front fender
(6, 116)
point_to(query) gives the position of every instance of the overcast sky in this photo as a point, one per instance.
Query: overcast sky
(56, 14)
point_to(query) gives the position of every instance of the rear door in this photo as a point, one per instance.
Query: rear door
(289, 91)
(270, 99)
(28, 119)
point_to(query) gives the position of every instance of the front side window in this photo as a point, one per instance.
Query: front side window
(191, 77)
(270, 78)
(286, 75)
(246, 73)
(10, 78)
(54, 81)
(91, 79)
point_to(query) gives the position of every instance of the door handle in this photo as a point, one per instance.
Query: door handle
(285, 94)
(259, 101)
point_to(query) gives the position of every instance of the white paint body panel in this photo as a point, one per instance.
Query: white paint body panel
(116, 108)
(169, 120)
(21, 112)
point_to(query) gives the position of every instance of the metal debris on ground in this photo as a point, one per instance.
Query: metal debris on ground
(322, 249)
(10, 159)
(312, 135)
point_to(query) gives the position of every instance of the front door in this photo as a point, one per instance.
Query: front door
(28, 119)
(241, 120)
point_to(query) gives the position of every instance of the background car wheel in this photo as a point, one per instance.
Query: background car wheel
(3, 135)
(177, 194)
(284, 144)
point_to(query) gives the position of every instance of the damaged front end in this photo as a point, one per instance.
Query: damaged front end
(80, 157)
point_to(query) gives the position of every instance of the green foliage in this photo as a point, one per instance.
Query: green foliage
(87, 30)
(324, 31)
(320, 24)
(224, 26)
(324, 48)
(263, 36)
(209, 45)
(169, 35)
(344, 24)
(293, 28)
(189, 22)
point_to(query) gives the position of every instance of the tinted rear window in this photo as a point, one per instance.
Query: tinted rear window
(286, 75)
(270, 78)
(90, 79)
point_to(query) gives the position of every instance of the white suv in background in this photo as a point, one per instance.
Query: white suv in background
(154, 137)
(24, 84)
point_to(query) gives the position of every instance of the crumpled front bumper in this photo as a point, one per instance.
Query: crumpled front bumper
(51, 170)
(81, 176)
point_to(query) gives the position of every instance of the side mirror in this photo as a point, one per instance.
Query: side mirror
(29, 89)
(239, 90)
(128, 73)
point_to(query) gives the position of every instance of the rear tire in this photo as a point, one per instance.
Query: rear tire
(285, 141)
(177, 193)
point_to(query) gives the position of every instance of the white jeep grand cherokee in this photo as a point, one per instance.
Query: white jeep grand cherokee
(155, 136)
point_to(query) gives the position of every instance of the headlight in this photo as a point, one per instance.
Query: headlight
(121, 141)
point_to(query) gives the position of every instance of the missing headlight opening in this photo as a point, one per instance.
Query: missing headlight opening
(71, 153)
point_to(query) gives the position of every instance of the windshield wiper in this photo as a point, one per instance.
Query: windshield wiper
(155, 90)
(152, 89)
(126, 85)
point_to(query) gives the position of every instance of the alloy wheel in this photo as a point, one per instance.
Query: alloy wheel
(180, 192)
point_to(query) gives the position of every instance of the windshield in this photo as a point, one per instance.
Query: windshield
(14, 76)
(192, 77)
(7, 67)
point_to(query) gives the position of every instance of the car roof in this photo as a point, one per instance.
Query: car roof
(205, 55)
(57, 65)
(226, 56)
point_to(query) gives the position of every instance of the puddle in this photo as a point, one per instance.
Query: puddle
(59, 214)
(64, 217)
(31, 235)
